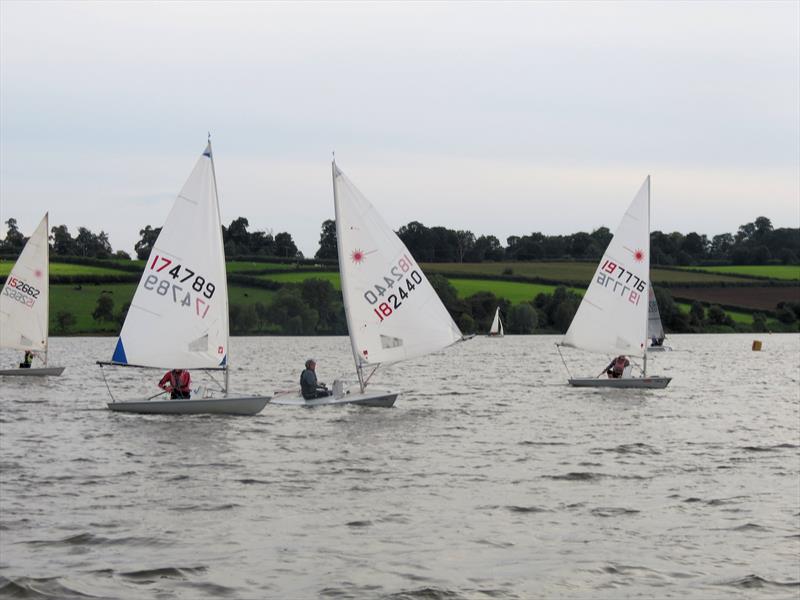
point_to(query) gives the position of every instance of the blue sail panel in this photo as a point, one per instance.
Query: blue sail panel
(119, 354)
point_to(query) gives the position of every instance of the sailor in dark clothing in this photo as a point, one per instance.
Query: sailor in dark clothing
(308, 382)
(26, 362)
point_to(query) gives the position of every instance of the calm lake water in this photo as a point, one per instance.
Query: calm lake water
(490, 478)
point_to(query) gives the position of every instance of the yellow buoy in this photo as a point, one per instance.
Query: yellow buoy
(756, 345)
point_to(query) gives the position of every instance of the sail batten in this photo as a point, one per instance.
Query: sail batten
(613, 315)
(393, 312)
(24, 299)
(178, 317)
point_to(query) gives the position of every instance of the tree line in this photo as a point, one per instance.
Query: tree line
(315, 307)
(754, 243)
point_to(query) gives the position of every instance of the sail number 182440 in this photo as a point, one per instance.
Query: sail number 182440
(401, 280)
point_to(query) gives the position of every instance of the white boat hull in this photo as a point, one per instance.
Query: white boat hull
(246, 405)
(32, 372)
(659, 349)
(647, 383)
(376, 398)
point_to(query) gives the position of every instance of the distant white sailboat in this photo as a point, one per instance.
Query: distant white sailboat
(496, 330)
(179, 314)
(613, 315)
(393, 313)
(655, 330)
(24, 304)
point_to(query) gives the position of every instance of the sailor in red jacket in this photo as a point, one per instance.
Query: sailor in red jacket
(616, 368)
(178, 382)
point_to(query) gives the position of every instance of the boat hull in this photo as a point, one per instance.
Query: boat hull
(646, 383)
(32, 372)
(377, 398)
(246, 405)
(659, 349)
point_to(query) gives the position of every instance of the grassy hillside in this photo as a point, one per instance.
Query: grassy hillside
(81, 301)
(783, 272)
(66, 269)
(510, 290)
(467, 278)
(567, 271)
(332, 276)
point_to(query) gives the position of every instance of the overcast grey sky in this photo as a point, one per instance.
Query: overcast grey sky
(501, 118)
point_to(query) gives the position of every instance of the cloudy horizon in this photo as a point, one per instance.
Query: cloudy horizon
(500, 118)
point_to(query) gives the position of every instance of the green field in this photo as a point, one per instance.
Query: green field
(742, 318)
(565, 271)
(244, 267)
(784, 272)
(81, 300)
(67, 269)
(57, 268)
(510, 290)
(332, 276)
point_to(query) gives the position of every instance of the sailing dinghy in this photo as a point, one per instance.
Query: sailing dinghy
(496, 330)
(655, 330)
(613, 315)
(24, 304)
(179, 314)
(393, 312)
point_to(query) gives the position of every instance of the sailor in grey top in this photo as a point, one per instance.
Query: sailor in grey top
(309, 386)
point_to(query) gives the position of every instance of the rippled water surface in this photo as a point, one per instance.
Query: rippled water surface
(490, 478)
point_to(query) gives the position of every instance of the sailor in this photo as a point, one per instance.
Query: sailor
(26, 362)
(657, 341)
(178, 382)
(616, 368)
(309, 386)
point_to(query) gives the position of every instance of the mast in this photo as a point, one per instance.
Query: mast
(649, 283)
(47, 279)
(345, 291)
(222, 252)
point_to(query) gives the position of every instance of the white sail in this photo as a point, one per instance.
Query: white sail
(654, 327)
(393, 312)
(25, 296)
(497, 324)
(612, 318)
(179, 314)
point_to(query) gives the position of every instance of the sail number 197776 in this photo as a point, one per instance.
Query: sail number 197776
(630, 290)
(401, 280)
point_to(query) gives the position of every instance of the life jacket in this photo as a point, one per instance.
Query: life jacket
(181, 382)
(308, 391)
(619, 365)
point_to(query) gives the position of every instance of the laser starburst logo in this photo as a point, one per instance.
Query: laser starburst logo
(357, 256)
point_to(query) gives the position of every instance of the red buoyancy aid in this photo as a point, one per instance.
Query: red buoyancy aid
(620, 363)
(180, 383)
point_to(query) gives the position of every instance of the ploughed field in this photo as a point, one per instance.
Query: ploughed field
(785, 272)
(749, 297)
(741, 289)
